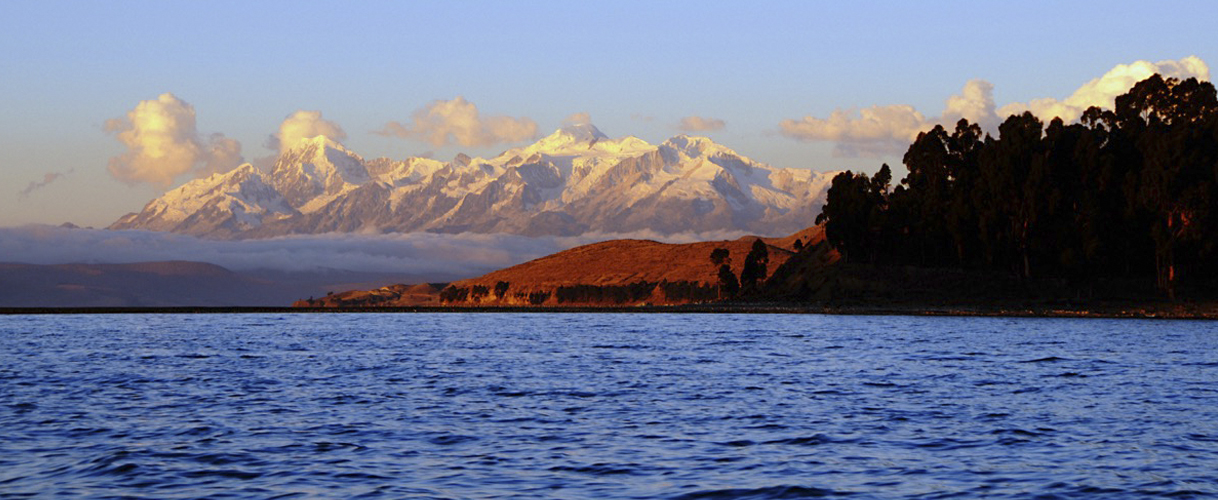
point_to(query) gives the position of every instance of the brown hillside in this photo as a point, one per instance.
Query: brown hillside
(424, 294)
(621, 262)
(617, 272)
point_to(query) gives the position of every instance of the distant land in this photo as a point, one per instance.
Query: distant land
(168, 284)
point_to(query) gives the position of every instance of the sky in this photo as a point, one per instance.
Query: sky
(818, 85)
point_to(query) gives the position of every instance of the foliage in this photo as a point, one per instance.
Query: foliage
(501, 289)
(1127, 193)
(729, 286)
(754, 269)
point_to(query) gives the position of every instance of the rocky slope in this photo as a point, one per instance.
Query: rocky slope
(574, 181)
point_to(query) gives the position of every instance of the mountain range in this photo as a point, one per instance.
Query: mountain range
(576, 180)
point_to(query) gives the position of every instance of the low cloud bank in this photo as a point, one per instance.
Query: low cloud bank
(432, 256)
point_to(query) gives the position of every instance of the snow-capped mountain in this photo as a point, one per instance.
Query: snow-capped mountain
(574, 181)
(220, 206)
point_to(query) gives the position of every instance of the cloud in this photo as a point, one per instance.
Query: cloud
(444, 122)
(700, 124)
(1103, 91)
(163, 143)
(975, 103)
(581, 118)
(303, 125)
(875, 131)
(437, 257)
(46, 179)
(888, 130)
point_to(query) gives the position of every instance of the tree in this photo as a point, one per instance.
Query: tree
(728, 285)
(754, 266)
(1126, 193)
(854, 213)
(1177, 179)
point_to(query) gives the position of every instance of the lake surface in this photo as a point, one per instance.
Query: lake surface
(605, 406)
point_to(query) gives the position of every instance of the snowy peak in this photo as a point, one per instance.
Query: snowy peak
(573, 181)
(695, 146)
(581, 132)
(219, 204)
(322, 151)
(569, 140)
(317, 167)
(582, 140)
(186, 199)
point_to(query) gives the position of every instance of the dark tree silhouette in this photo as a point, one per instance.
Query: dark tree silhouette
(1127, 193)
(729, 286)
(755, 264)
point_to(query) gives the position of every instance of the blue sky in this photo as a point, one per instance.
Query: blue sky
(637, 68)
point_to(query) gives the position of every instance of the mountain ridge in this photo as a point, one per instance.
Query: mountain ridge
(574, 181)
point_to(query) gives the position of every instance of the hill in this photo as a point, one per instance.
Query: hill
(146, 284)
(165, 284)
(609, 273)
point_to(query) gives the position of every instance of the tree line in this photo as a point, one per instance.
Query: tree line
(752, 272)
(1127, 193)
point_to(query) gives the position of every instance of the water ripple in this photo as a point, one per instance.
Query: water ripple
(600, 406)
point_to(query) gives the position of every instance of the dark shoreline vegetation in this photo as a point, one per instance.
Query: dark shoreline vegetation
(1124, 198)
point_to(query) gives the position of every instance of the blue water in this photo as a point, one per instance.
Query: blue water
(605, 406)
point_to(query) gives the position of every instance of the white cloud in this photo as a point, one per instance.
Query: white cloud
(444, 122)
(700, 124)
(888, 130)
(975, 103)
(163, 143)
(875, 131)
(303, 125)
(1102, 91)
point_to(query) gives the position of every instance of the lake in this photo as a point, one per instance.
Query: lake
(469, 405)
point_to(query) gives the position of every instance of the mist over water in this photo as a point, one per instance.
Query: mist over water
(605, 406)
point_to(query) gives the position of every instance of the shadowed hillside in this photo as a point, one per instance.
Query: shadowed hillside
(149, 284)
(166, 284)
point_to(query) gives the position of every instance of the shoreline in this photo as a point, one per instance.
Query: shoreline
(1191, 311)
